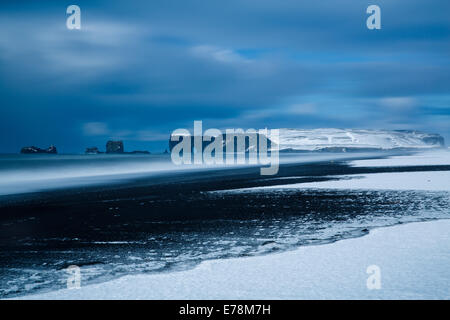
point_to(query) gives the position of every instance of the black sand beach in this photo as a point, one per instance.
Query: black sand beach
(173, 221)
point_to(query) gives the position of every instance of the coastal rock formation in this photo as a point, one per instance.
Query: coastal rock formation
(338, 140)
(92, 150)
(114, 146)
(36, 150)
(234, 143)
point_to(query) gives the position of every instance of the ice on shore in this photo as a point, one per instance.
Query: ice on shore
(413, 260)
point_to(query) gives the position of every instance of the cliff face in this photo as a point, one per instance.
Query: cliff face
(434, 139)
(336, 140)
(114, 146)
(341, 140)
(35, 150)
(244, 139)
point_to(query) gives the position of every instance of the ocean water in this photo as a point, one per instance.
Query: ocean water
(33, 173)
(30, 173)
(154, 224)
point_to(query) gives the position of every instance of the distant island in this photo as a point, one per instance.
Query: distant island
(113, 147)
(36, 150)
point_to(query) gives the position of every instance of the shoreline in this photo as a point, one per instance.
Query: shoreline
(153, 224)
(403, 252)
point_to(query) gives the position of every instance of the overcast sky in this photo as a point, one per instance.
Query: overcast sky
(137, 70)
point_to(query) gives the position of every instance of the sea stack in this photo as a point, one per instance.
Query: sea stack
(92, 150)
(36, 150)
(114, 146)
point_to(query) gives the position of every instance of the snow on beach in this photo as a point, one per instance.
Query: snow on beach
(430, 158)
(413, 260)
(415, 180)
(422, 180)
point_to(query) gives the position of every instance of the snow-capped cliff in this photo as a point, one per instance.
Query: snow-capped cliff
(350, 139)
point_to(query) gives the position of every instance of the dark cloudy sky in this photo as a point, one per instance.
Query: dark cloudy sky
(137, 70)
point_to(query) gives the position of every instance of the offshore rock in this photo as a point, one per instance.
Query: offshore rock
(114, 146)
(36, 150)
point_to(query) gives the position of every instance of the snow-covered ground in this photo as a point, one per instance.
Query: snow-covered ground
(316, 139)
(430, 158)
(422, 180)
(415, 180)
(412, 259)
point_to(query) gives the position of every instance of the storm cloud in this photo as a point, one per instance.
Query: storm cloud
(136, 71)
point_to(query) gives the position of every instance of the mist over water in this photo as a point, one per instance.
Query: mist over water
(30, 173)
